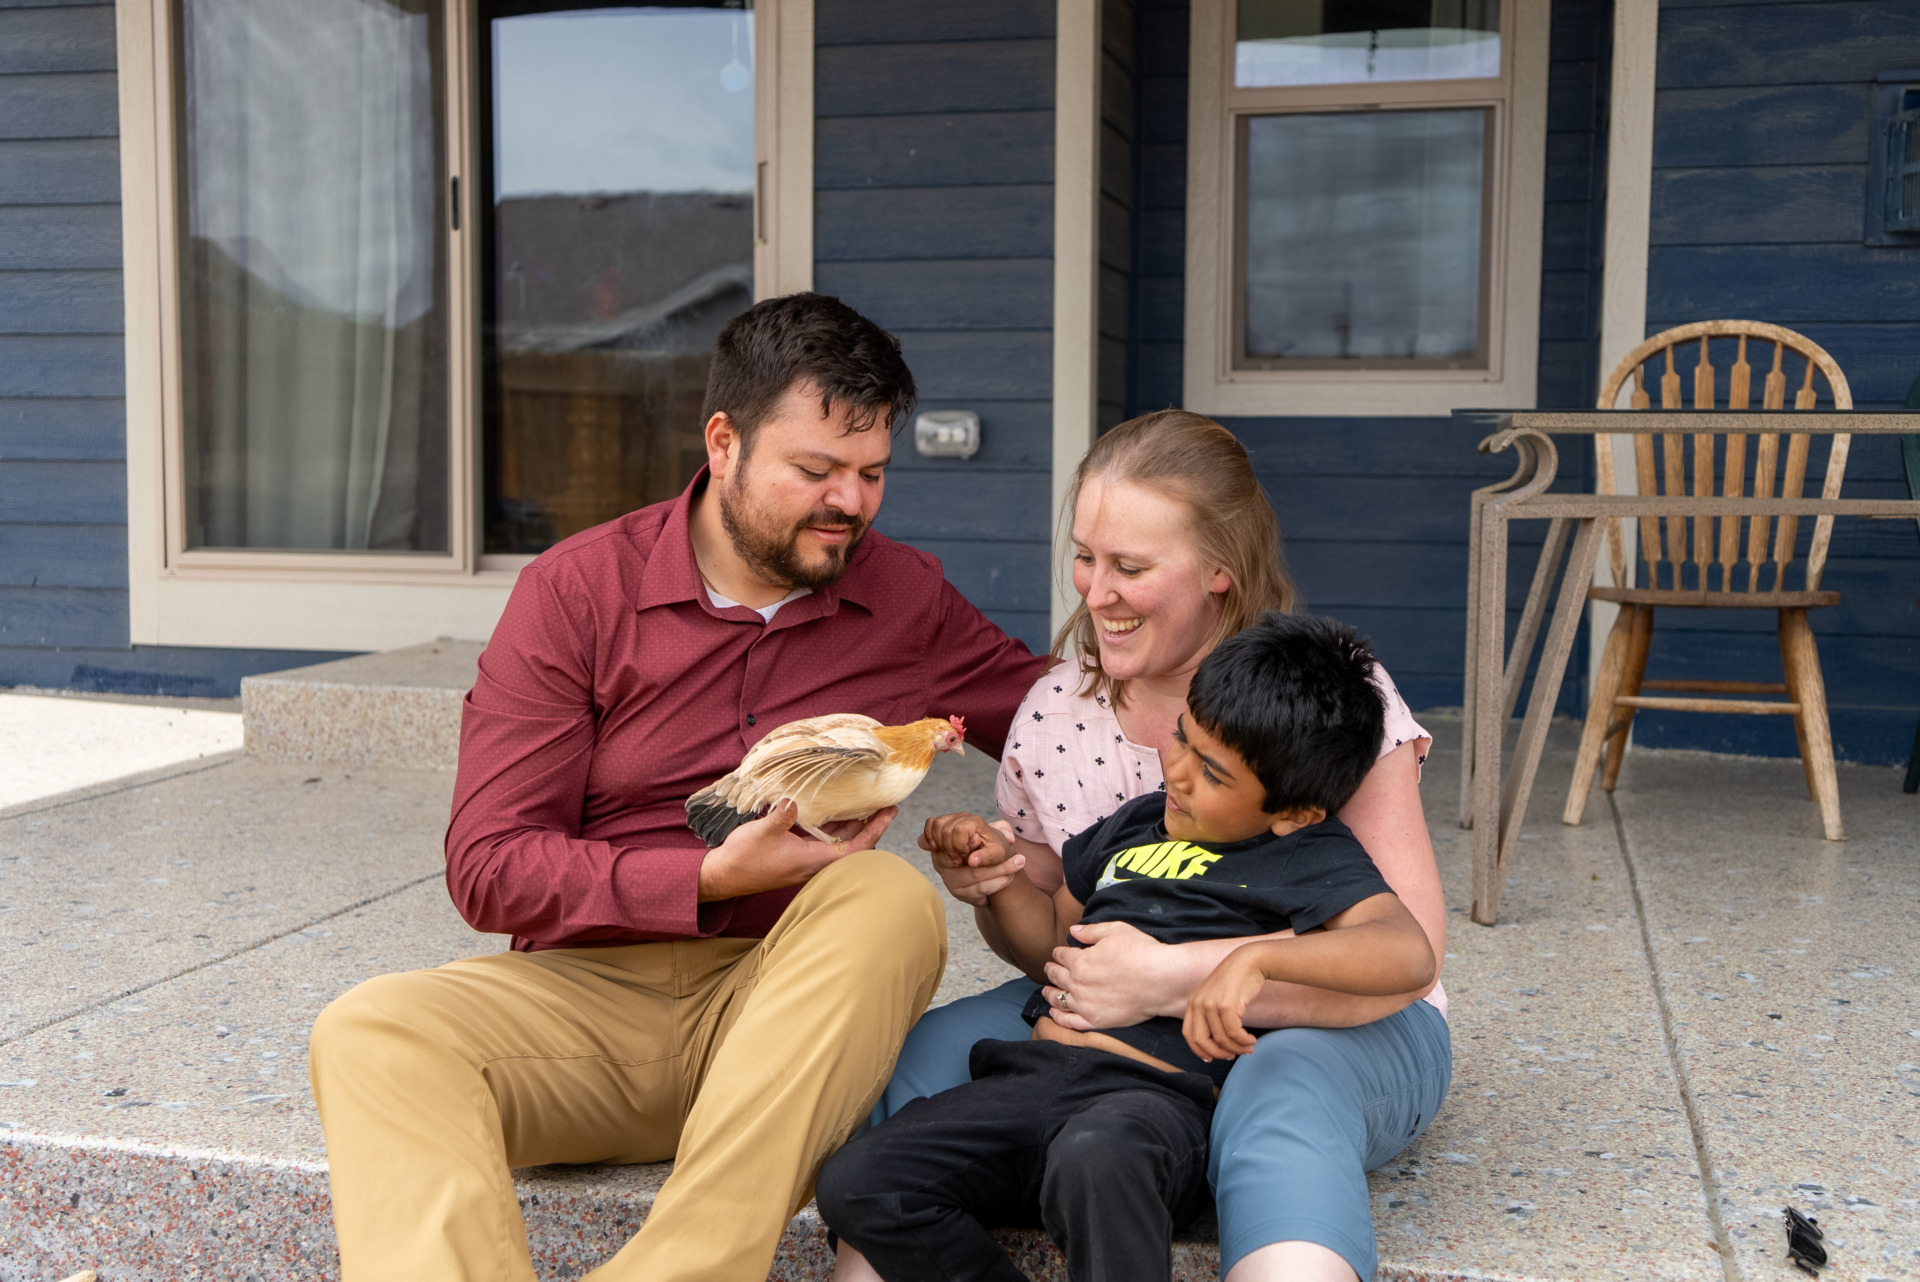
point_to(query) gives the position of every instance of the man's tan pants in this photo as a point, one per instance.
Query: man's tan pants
(747, 1061)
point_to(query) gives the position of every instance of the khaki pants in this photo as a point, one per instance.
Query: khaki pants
(747, 1061)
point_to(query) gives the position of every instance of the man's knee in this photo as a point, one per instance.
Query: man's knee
(881, 875)
(898, 908)
(371, 1022)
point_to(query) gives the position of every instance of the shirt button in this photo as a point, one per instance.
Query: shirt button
(750, 719)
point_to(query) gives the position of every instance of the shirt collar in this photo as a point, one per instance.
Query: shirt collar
(672, 575)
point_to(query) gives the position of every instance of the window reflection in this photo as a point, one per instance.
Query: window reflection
(618, 242)
(1363, 239)
(1330, 42)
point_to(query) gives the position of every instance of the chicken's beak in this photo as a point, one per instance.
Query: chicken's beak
(959, 747)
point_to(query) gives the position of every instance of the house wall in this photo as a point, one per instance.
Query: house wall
(63, 481)
(1374, 510)
(1761, 133)
(933, 214)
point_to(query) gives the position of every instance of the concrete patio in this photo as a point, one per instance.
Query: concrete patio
(1693, 1012)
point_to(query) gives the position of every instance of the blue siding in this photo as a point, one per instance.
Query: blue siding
(63, 484)
(1374, 509)
(1761, 135)
(63, 487)
(933, 214)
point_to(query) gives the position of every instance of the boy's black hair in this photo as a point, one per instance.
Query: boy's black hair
(1293, 694)
(812, 338)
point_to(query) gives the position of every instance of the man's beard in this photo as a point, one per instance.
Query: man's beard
(773, 550)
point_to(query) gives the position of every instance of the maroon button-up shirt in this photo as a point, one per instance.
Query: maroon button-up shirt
(612, 689)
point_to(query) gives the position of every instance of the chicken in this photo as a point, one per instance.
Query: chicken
(844, 766)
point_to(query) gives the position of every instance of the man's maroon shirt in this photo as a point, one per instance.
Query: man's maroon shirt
(613, 689)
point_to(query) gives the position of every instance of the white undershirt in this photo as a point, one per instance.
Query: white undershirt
(766, 612)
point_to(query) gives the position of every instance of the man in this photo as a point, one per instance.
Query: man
(736, 1009)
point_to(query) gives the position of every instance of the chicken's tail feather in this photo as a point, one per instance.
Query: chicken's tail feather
(712, 817)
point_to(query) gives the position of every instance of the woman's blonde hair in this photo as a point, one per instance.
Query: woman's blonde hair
(1192, 459)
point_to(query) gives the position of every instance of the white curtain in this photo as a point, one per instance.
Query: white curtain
(313, 328)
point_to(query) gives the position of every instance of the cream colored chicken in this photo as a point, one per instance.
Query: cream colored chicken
(844, 766)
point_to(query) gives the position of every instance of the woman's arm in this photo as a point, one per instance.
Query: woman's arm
(1125, 976)
(1374, 948)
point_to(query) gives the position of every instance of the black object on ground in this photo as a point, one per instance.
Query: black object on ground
(1803, 1242)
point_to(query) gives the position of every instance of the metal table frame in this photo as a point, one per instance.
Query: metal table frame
(1495, 807)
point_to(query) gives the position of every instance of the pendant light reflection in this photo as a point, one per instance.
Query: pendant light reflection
(735, 77)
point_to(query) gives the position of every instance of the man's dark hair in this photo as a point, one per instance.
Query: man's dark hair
(1293, 694)
(807, 338)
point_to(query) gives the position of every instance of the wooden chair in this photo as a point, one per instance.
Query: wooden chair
(1711, 568)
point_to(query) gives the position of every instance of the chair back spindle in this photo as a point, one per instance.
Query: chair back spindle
(1707, 556)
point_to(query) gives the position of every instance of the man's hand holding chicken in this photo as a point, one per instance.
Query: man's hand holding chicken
(735, 1008)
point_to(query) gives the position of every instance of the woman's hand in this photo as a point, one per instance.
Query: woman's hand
(1120, 978)
(1215, 1023)
(975, 859)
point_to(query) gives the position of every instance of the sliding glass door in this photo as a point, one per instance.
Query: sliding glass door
(617, 237)
(312, 250)
(354, 368)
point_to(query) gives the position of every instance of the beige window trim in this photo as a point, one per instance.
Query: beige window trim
(349, 601)
(783, 141)
(1623, 287)
(1519, 99)
(1076, 268)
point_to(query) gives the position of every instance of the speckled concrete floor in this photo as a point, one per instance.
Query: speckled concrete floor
(166, 947)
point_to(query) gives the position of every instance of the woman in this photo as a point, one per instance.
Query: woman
(1176, 548)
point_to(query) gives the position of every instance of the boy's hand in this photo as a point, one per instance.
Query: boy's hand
(974, 858)
(1213, 1024)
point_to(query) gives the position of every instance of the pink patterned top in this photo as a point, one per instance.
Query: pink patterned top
(1068, 764)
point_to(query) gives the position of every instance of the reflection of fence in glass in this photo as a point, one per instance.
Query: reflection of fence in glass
(312, 261)
(1363, 237)
(620, 243)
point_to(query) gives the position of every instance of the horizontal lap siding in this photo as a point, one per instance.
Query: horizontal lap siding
(63, 538)
(1374, 510)
(933, 215)
(1763, 125)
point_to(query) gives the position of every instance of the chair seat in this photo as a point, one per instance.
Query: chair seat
(1694, 599)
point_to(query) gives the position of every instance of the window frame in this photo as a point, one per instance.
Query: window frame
(1511, 218)
(318, 600)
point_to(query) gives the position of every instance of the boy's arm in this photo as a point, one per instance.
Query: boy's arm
(1373, 949)
(1033, 923)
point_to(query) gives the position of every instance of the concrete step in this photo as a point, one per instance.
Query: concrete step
(398, 709)
(162, 1214)
(155, 1214)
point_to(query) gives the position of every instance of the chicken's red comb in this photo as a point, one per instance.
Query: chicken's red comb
(959, 723)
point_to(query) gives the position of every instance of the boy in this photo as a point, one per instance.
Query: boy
(1102, 1137)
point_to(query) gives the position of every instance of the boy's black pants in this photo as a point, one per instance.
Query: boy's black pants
(1109, 1155)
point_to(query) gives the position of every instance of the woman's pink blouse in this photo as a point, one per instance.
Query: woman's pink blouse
(1067, 764)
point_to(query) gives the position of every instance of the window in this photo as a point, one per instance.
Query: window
(417, 288)
(1364, 196)
(312, 250)
(616, 242)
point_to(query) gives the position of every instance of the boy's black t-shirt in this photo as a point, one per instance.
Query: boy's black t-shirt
(1127, 869)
